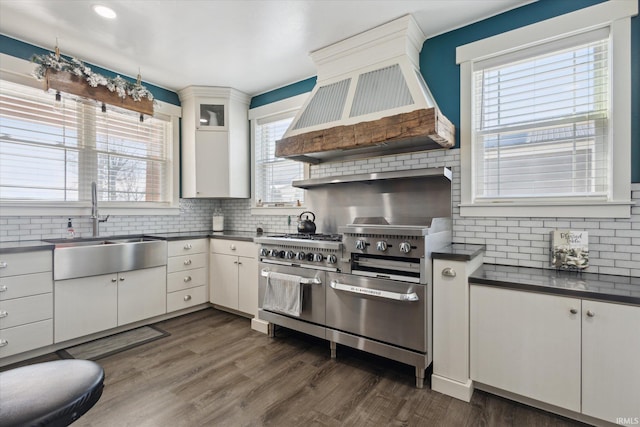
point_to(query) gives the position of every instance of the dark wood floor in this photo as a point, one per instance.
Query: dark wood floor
(215, 371)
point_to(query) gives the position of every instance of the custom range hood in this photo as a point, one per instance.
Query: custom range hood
(370, 99)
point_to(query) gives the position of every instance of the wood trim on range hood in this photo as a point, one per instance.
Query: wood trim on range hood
(370, 100)
(417, 130)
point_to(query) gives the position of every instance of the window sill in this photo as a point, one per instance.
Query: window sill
(268, 210)
(578, 209)
(82, 209)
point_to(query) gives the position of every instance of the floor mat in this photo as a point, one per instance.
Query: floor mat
(113, 344)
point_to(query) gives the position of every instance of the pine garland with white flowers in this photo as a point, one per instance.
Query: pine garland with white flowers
(76, 67)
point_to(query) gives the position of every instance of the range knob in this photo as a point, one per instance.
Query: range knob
(332, 259)
(264, 252)
(273, 252)
(281, 254)
(381, 246)
(405, 247)
(309, 256)
(318, 257)
(289, 255)
(300, 255)
(360, 245)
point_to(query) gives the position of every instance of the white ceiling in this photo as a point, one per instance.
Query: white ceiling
(251, 45)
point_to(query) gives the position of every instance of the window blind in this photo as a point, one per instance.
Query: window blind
(274, 175)
(52, 151)
(541, 121)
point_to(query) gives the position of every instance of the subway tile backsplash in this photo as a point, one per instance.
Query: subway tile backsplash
(614, 244)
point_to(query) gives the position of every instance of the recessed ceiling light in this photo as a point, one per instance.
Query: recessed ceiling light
(104, 11)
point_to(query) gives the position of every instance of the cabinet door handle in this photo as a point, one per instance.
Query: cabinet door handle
(3, 343)
(235, 262)
(3, 264)
(591, 313)
(239, 263)
(187, 298)
(114, 280)
(232, 247)
(187, 262)
(573, 311)
(449, 272)
(122, 279)
(3, 314)
(187, 279)
(188, 246)
(3, 288)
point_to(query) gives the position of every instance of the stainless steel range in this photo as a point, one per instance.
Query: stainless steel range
(368, 287)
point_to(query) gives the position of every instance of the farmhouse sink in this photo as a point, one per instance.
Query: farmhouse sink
(91, 257)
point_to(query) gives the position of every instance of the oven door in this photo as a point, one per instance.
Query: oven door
(390, 311)
(312, 284)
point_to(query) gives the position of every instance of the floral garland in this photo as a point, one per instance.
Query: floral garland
(76, 67)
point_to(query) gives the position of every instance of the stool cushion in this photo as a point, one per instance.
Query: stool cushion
(51, 393)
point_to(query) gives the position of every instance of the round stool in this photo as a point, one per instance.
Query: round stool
(49, 394)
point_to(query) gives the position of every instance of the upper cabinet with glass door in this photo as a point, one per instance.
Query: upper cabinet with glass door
(215, 143)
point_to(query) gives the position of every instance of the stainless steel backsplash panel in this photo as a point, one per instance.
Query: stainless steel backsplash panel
(339, 204)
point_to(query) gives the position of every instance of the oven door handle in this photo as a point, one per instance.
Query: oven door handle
(373, 292)
(303, 280)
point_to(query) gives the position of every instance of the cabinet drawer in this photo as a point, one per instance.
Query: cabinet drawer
(25, 285)
(186, 279)
(26, 337)
(25, 263)
(186, 298)
(185, 247)
(18, 311)
(234, 247)
(186, 262)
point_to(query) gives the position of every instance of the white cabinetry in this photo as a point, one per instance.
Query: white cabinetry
(233, 276)
(92, 304)
(215, 142)
(571, 353)
(26, 302)
(610, 360)
(186, 274)
(451, 327)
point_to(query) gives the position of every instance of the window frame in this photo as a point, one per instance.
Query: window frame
(274, 109)
(616, 16)
(19, 71)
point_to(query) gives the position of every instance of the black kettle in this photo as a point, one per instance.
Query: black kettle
(306, 225)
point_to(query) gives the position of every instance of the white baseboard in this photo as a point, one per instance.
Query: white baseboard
(462, 391)
(260, 325)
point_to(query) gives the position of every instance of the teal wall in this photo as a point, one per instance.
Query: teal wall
(442, 74)
(26, 51)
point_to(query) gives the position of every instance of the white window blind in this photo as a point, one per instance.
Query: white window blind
(273, 174)
(541, 121)
(52, 151)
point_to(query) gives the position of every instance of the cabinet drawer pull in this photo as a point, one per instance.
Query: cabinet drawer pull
(3, 343)
(187, 298)
(232, 247)
(187, 262)
(3, 314)
(188, 246)
(573, 311)
(449, 272)
(591, 313)
(3, 264)
(3, 288)
(187, 279)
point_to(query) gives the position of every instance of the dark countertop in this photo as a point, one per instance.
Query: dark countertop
(25, 246)
(458, 252)
(604, 287)
(37, 245)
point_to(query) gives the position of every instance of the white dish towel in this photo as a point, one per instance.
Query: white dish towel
(283, 294)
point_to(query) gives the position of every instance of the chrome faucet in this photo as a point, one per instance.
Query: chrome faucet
(94, 210)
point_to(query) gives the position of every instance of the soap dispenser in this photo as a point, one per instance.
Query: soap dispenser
(71, 233)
